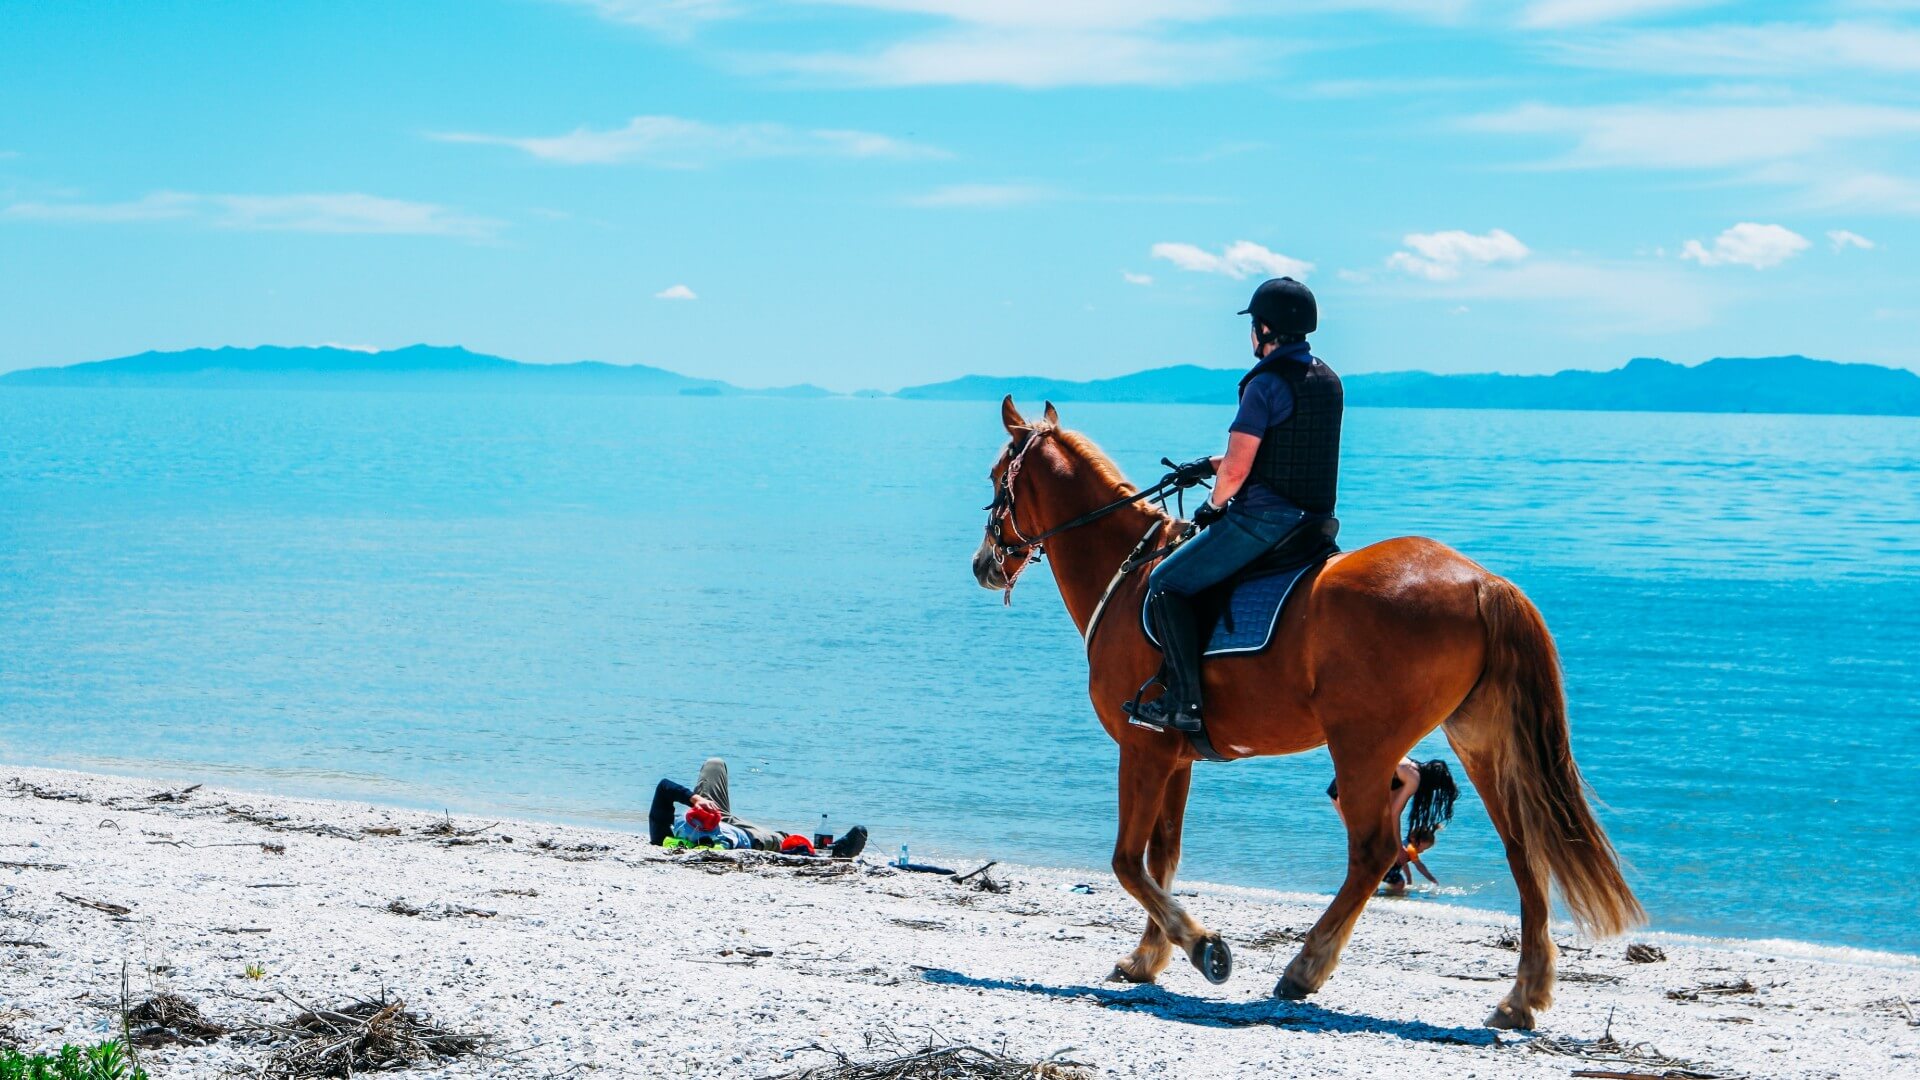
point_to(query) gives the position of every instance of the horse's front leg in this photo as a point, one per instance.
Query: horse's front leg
(1144, 783)
(1163, 860)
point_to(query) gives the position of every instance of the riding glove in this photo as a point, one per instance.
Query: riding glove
(1207, 514)
(1191, 473)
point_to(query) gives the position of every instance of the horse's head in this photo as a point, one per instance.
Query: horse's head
(1005, 550)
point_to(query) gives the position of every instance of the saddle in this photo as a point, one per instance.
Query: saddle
(1244, 610)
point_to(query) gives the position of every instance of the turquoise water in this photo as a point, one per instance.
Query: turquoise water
(540, 605)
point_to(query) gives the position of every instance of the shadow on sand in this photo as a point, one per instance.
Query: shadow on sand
(1186, 1009)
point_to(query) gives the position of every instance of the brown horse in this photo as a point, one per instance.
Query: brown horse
(1375, 649)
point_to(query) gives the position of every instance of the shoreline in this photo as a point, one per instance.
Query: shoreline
(578, 947)
(633, 823)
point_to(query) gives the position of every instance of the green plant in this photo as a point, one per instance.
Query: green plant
(107, 1061)
(256, 972)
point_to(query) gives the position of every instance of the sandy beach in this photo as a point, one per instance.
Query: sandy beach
(585, 952)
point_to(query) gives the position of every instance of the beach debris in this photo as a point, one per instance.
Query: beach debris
(1608, 1050)
(445, 828)
(399, 906)
(919, 924)
(1710, 990)
(97, 905)
(1278, 936)
(362, 1036)
(169, 1019)
(1894, 1006)
(982, 880)
(382, 830)
(7, 864)
(174, 795)
(934, 1061)
(23, 790)
(1640, 953)
(239, 930)
(513, 892)
(1663, 1075)
(1508, 940)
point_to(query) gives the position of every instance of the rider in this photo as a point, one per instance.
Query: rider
(1280, 469)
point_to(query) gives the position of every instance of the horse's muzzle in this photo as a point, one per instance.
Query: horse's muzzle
(986, 569)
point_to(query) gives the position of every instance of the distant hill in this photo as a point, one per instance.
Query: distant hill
(1774, 384)
(416, 367)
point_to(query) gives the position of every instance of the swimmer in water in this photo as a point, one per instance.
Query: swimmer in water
(1428, 788)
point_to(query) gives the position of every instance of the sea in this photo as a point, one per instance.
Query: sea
(540, 605)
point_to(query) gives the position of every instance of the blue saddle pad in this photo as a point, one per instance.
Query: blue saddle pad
(1251, 613)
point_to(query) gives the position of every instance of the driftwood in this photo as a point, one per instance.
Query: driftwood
(168, 1019)
(97, 905)
(360, 1037)
(957, 1062)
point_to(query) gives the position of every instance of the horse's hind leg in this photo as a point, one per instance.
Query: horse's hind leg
(1155, 951)
(1366, 779)
(1481, 744)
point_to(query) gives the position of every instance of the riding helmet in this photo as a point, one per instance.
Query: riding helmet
(1285, 306)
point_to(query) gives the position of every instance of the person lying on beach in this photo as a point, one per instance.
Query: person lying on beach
(1429, 788)
(707, 820)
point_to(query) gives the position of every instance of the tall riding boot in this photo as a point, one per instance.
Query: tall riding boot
(1177, 627)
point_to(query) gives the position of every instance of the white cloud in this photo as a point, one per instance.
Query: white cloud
(1596, 297)
(1841, 239)
(672, 18)
(677, 142)
(1132, 278)
(349, 212)
(1768, 50)
(1559, 13)
(676, 292)
(1691, 136)
(1031, 58)
(981, 195)
(1442, 256)
(1748, 244)
(1237, 260)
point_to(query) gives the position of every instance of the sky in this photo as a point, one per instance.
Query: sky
(878, 193)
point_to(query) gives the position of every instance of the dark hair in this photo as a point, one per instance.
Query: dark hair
(1433, 801)
(1266, 336)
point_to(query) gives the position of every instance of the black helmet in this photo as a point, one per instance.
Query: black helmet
(1285, 306)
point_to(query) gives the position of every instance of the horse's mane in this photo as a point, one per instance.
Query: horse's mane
(1095, 459)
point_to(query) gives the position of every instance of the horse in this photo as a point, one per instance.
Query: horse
(1375, 649)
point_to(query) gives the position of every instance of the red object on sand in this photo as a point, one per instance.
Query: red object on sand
(797, 845)
(703, 818)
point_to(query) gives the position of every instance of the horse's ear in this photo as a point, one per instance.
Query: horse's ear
(1011, 417)
(1052, 415)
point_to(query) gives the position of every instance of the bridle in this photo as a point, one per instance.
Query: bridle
(1002, 524)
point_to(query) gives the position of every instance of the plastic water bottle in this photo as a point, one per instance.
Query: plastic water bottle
(823, 833)
(903, 857)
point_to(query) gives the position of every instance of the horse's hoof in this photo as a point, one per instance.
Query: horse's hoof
(1507, 1018)
(1213, 958)
(1121, 974)
(1288, 990)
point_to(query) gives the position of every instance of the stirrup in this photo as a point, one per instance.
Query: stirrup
(1155, 715)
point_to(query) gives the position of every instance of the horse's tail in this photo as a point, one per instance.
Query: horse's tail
(1545, 798)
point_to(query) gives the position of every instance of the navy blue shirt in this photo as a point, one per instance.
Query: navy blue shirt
(1267, 401)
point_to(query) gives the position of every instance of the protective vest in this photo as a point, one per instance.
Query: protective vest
(1299, 457)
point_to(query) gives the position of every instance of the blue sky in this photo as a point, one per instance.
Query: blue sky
(874, 193)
